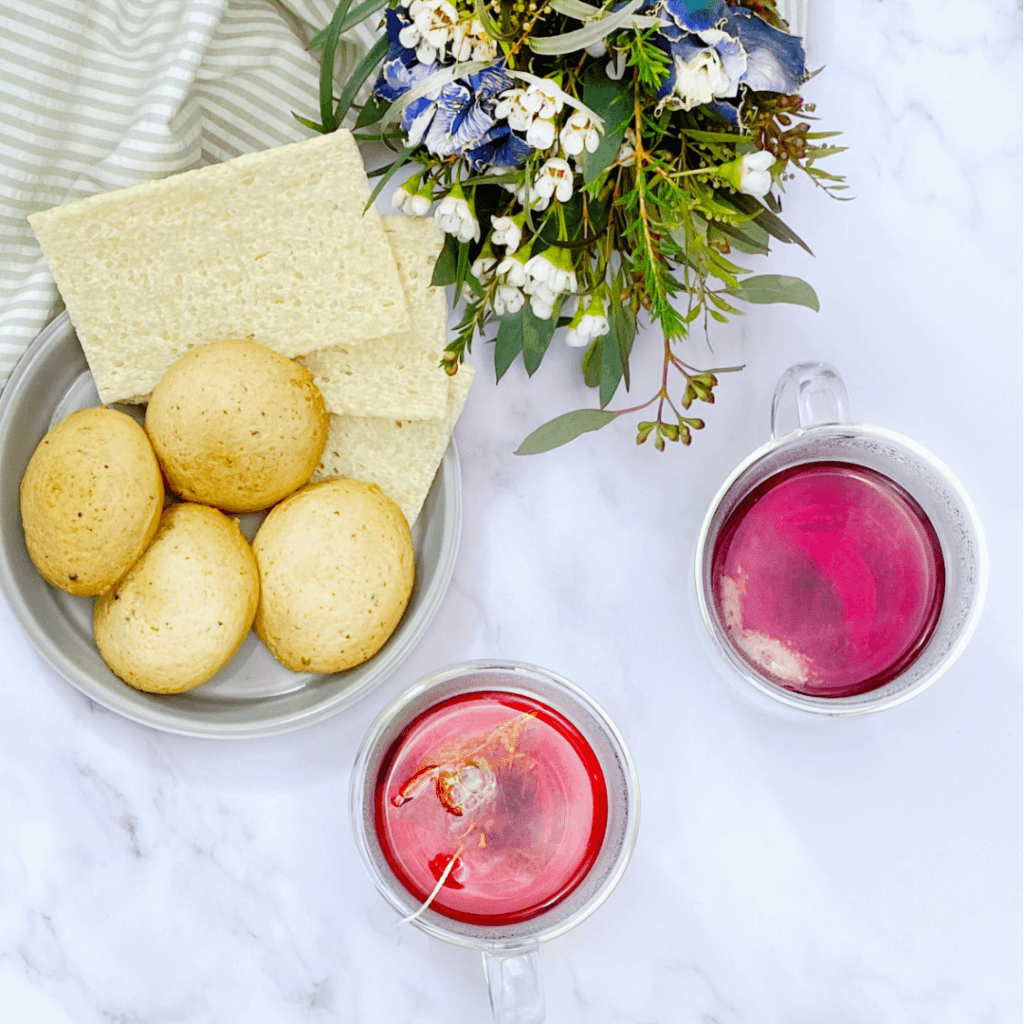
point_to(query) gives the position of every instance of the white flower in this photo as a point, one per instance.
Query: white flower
(419, 204)
(579, 134)
(554, 179)
(589, 328)
(505, 231)
(532, 110)
(455, 217)
(471, 42)
(433, 27)
(700, 79)
(482, 267)
(507, 299)
(411, 202)
(590, 322)
(514, 271)
(550, 272)
(755, 173)
(513, 106)
(545, 97)
(616, 68)
(541, 134)
(542, 309)
(598, 49)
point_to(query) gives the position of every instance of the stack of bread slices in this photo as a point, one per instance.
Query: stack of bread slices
(279, 247)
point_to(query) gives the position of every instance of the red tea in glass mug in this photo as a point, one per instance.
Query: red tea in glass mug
(496, 805)
(841, 568)
(492, 806)
(828, 578)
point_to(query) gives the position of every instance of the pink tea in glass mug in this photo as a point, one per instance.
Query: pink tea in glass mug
(491, 806)
(828, 578)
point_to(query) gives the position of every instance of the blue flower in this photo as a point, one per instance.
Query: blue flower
(715, 49)
(695, 15)
(499, 148)
(775, 59)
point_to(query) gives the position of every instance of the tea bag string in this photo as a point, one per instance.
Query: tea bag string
(444, 877)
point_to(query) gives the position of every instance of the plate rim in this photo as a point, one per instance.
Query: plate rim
(164, 719)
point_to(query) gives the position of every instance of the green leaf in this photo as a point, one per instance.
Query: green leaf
(447, 263)
(388, 174)
(363, 71)
(327, 117)
(372, 112)
(461, 271)
(509, 342)
(611, 365)
(775, 227)
(316, 126)
(491, 27)
(624, 325)
(767, 288)
(613, 102)
(749, 237)
(563, 429)
(593, 359)
(536, 337)
(363, 11)
(592, 32)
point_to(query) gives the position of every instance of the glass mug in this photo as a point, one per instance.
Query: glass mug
(860, 549)
(530, 792)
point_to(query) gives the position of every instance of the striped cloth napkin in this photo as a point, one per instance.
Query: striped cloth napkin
(101, 94)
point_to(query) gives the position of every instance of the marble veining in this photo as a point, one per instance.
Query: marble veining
(787, 872)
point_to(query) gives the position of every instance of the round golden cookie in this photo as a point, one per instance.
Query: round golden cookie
(91, 498)
(237, 425)
(184, 608)
(336, 568)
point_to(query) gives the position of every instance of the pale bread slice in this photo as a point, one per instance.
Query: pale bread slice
(400, 456)
(272, 245)
(397, 375)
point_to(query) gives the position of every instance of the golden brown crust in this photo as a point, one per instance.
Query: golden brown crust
(337, 568)
(91, 498)
(185, 607)
(237, 426)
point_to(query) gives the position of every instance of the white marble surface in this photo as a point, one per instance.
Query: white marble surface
(820, 872)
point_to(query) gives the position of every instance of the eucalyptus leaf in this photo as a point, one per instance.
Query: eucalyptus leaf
(592, 360)
(576, 9)
(613, 102)
(563, 429)
(611, 365)
(537, 335)
(579, 39)
(768, 288)
(625, 333)
(509, 342)
(446, 267)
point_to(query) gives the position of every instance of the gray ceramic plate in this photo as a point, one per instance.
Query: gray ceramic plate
(254, 695)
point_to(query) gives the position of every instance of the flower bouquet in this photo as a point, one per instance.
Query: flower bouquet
(595, 169)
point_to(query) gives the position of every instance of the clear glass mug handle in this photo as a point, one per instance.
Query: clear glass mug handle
(514, 985)
(807, 395)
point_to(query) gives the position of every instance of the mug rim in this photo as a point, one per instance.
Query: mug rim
(467, 668)
(838, 706)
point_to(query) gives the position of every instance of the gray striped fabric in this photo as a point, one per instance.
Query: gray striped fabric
(100, 94)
